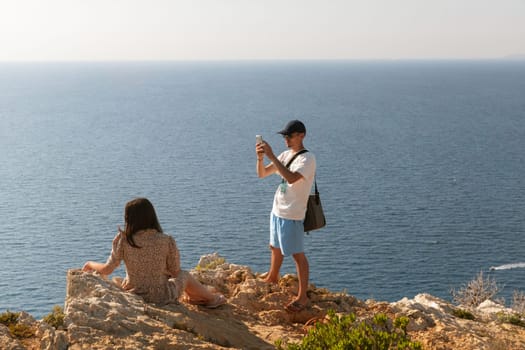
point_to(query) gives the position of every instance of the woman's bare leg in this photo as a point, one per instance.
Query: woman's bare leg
(197, 292)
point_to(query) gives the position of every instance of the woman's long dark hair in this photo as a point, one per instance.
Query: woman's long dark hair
(139, 214)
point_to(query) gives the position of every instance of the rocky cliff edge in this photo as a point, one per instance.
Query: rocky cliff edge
(99, 315)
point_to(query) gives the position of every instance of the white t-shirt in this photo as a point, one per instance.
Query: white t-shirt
(290, 200)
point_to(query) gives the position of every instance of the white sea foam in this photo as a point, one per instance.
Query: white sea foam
(508, 266)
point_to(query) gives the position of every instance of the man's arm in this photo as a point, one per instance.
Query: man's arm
(275, 165)
(264, 170)
(289, 176)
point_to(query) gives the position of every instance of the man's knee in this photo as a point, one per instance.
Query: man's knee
(300, 257)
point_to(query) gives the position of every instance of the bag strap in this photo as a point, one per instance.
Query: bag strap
(291, 161)
(316, 191)
(295, 156)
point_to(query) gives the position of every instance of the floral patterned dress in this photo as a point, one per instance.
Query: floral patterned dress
(153, 270)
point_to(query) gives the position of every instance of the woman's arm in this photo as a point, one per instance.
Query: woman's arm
(173, 258)
(103, 269)
(113, 261)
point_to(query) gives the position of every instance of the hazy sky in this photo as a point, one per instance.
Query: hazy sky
(265, 29)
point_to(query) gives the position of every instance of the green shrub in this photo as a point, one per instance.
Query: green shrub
(56, 317)
(514, 319)
(18, 330)
(211, 265)
(402, 323)
(345, 333)
(8, 318)
(462, 313)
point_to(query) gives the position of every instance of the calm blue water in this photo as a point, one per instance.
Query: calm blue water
(420, 166)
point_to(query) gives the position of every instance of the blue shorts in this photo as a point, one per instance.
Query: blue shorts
(288, 235)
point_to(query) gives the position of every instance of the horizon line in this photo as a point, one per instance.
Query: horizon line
(505, 58)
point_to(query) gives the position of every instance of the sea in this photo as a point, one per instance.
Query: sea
(420, 168)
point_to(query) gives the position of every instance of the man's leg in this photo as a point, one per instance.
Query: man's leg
(275, 265)
(303, 271)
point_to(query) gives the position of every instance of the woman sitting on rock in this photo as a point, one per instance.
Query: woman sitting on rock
(152, 261)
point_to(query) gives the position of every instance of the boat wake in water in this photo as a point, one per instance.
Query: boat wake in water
(508, 266)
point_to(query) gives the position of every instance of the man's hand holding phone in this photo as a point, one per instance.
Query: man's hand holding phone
(259, 147)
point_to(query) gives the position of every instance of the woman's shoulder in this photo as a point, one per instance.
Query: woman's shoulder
(153, 238)
(164, 236)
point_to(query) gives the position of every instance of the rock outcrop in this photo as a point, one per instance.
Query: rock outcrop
(99, 315)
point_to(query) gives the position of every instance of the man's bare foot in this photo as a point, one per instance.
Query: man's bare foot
(297, 305)
(271, 281)
(266, 278)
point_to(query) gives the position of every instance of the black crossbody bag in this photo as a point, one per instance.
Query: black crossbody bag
(314, 218)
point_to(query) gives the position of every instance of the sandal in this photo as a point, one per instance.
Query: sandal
(295, 307)
(216, 302)
(191, 301)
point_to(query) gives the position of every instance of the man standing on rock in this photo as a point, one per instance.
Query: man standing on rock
(296, 166)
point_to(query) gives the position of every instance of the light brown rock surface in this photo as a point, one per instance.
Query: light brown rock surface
(99, 315)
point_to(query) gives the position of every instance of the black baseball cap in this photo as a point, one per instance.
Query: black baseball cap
(293, 126)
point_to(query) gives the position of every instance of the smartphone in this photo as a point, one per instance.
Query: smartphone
(258, 139)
